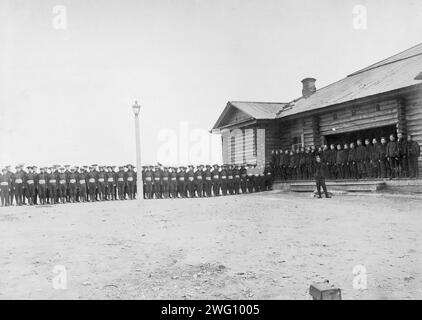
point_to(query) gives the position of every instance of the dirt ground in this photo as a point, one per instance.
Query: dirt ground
(261, 246)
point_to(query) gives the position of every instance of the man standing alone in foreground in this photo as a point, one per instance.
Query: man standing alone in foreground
(320, 174)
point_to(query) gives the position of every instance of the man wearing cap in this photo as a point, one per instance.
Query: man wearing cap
(165, 182)
(250, 182)
(413, 153)
(244, 178)
(181, 182)
(121, 183)
(230, 180)
(352, 161)
(207, 180)
(149, 177)
(42, 180)
(82, 184)
(173, 182)
(72, 178)
(18, 182)
(268, 178)
(131, 181)
(111, 183)
(216, 182)
(236, 177)
(92, 183)
(5, 183)
(30, 185)
(223, 179)
(62, 177)
(67, 172)
(393, 156)
(190, 181)
(102, 182)
(199, 181)
(157, 187)
(52, 186)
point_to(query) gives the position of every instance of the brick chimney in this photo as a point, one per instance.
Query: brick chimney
(308, 87)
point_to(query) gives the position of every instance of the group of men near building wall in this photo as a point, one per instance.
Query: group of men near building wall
(64, 184)
(206, 181)
(367, 159)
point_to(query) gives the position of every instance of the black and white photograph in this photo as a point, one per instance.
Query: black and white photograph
(210, 150)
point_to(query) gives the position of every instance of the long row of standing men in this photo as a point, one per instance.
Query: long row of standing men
(58, 184)
(205, 181)
(66, 184)
(392, 159)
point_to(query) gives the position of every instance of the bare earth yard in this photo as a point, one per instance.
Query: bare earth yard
(260, 246)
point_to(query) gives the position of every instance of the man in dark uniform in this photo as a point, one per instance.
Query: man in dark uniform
(130, 181)
(268, 178)
(207, 180)
(223, 179)
(17, 185)
(331, 162)
(52, 185)
(384, 166)
(82, 184)
(215, 180)
(285, 172)
(339, 163)
(157, 186)
(352, 162)
(413, 153)
(360, 159)
(149, 178)
(72, 177)
(35, 169)
(67, 172)
(367, 159)
(292, 165)
(393, 156)
(302, 163)
(165, 182)
(402, 146)
(320, 174)
(190, 181)
(375, 159)
(181, 182)
(173, 182)
(199, 181)
(111, 183)
(92, 183)
(243, 179)
(237, 179)
(102, 183)
(121, 183)
(42, 181)
(5, 183)
(30, 185)
(230, 179)
(62, 178)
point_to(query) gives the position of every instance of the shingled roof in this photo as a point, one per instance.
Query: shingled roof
(255, 110)
(397, 72)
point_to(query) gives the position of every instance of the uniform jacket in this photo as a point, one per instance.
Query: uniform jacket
(402, 146)
(361, 153)
(392, 149)
(413, 149)
(320, 170)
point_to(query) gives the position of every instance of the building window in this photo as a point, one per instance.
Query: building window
(244, 146)
(353, 111)
(297, 142)
(232, 149)
(255, 143)
(334, 116)
(377, 107)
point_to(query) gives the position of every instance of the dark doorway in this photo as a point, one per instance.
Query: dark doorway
(349, 137)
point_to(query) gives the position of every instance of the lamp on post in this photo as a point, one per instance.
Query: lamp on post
(139, 183)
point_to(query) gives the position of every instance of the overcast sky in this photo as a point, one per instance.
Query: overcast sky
(66, 94)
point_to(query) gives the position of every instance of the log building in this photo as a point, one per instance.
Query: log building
(376, 101)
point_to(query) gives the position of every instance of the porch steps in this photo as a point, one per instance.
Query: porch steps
(340, 185)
